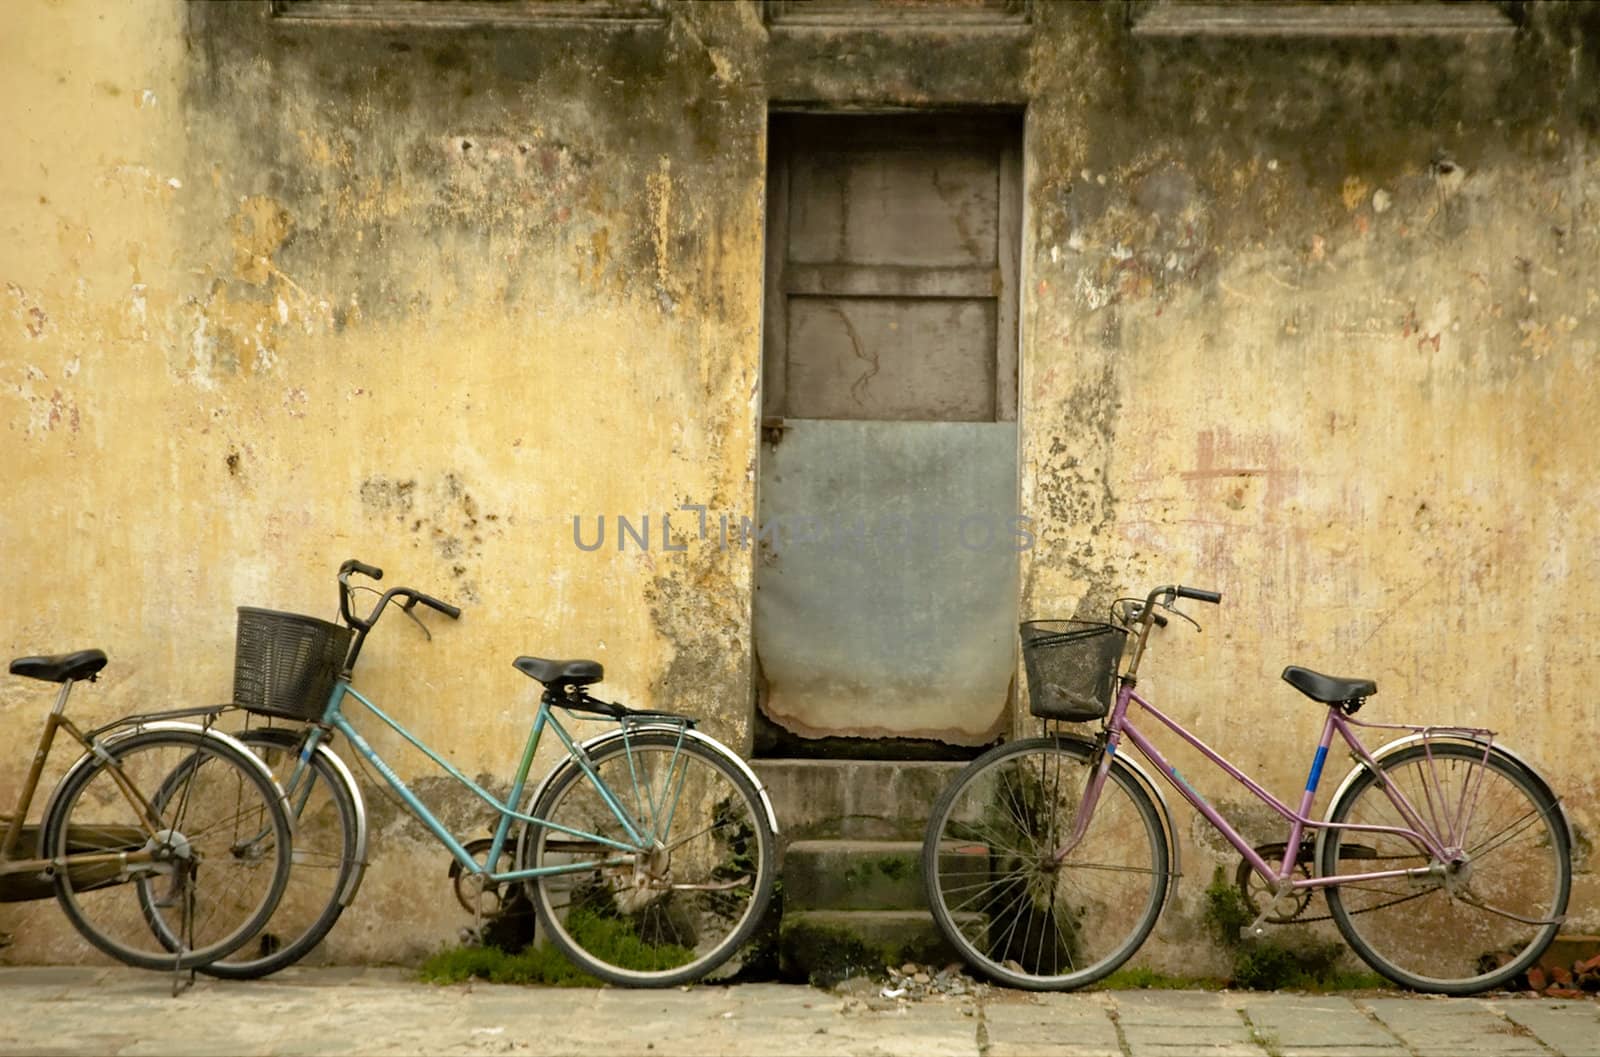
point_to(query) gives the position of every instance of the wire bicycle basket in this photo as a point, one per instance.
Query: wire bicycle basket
(1072, 667)
(285, 664)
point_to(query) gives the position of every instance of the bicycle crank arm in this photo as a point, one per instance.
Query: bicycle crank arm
(725, 886)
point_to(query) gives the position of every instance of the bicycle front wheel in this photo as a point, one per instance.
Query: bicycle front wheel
(995, 890)
(214, 825)
(674, 912)
(1461, 926)
(327, 813)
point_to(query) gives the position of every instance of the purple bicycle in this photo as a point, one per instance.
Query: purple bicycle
(1444, 858)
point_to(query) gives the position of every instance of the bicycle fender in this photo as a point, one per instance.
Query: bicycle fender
(139, 728)
(1400, 744)
(689, 735)
(1133, 767)
(289, 738)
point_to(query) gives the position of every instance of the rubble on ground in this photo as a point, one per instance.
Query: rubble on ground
(907, 983)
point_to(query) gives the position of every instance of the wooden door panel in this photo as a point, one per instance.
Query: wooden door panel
(892, 358)
(932, 207)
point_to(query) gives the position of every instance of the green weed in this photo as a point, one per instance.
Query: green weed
(1298, 963)
(1140, 979)
(610, 939)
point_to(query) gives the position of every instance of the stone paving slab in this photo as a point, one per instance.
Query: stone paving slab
(1443, 1027)
(331, 1012)
(1317, 1025)
(1570, 1028)
(1182, 1023)
(1052, 1025)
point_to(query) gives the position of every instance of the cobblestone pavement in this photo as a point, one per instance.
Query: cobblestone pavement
(382, 1011)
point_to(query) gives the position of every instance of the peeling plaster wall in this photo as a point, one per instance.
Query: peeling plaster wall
(1309, 322)
(280, 294)
(1314, 323)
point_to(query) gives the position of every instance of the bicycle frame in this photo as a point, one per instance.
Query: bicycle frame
(57, 720)
(1417, 831)
(334, 719)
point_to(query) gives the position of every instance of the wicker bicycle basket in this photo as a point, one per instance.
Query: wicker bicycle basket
(1072, 667)
(285, 664)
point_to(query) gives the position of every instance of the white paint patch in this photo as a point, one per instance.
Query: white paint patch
(1091, 293)
(202, 347)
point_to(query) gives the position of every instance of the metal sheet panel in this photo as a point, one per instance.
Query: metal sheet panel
(887, 595)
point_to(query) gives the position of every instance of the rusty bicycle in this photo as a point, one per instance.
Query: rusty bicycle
(167, 843)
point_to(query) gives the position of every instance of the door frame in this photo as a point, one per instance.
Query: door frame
(1016, 168)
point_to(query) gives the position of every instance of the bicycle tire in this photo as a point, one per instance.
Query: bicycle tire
(1395, 925)
(326, 811)
(619, 923)
(214, 805)
(989, 883)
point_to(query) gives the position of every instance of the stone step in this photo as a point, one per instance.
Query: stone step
(854, 799)
(853, 875)
(825, 946)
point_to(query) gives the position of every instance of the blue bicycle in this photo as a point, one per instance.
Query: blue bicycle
(648, 853)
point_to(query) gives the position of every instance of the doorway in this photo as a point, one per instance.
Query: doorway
(886, 568)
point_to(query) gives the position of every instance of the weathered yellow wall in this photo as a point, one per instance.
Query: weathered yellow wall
(1278, 350)
(277, 295)
(418, 298)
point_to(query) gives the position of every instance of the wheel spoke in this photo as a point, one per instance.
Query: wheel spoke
(1499, 908)
(1014, 914)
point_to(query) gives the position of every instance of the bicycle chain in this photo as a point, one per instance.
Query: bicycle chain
(1300, 918)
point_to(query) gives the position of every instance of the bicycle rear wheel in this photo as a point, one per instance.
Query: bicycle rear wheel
(326, 809)
(669, 915)
(1455, 931)
(219, 833)
(995, 893)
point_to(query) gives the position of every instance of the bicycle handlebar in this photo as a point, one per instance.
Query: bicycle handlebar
(1167, 593)
(410, 594)
(1163, 596)
(453, 612)
(352, 566)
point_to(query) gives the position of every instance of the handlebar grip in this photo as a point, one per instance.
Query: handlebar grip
(453, 612)
(1198, 594)
(353, 566)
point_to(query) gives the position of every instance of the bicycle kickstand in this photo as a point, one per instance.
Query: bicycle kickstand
(181, 981)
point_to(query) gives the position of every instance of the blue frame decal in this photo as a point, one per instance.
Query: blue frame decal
(1316, 769)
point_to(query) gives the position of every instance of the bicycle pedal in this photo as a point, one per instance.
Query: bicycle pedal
(1258, 928)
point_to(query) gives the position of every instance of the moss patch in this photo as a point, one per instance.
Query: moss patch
(1140, 979)
(822, 955)
(612, 940)
(1301, 963)
(543, 966)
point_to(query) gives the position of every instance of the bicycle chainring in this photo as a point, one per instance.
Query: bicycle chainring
(477, 895)
(1256, 893)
